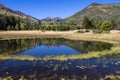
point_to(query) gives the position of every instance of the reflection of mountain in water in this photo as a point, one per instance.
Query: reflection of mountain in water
(49, 50)
(49, 45)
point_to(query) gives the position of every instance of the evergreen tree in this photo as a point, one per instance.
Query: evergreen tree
(85, 22)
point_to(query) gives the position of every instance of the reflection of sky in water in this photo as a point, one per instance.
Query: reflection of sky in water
(49, 50)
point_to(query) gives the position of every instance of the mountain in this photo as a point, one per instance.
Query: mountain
(52, 19)
(96, 11)
(6, 10)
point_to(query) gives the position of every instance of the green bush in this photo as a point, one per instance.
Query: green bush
(105, 26)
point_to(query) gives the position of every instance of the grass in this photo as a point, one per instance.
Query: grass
(108, 37)
(104, 37)
(11, 78)
(24, 57)
(112, 77)
(107, 77)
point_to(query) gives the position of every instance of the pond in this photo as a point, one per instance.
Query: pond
(50, 47)
(80, 69)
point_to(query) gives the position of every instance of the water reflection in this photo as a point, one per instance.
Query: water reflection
(52, 50)
(50, 46)
(91, 69)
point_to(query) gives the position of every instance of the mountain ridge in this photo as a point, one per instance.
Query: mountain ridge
(6, 10)
(95, 10)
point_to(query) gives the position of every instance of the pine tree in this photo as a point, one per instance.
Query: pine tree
(85, 22)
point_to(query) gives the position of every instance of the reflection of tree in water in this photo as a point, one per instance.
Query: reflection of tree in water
(17, 45)
(95, 46)
(13, 46)
(81, 46)
(86, 46)
(92, 69)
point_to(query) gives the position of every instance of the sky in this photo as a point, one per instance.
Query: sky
(54, 8)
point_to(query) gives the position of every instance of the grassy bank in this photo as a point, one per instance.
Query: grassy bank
(24, 57)
(33, 34)
(104, 37)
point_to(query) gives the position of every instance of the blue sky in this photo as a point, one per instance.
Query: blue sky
(54, 8)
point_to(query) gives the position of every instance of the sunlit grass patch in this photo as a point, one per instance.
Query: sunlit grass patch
(112, 77)
(4, 57)
(11, 78)
(112, 38)
(24, 57)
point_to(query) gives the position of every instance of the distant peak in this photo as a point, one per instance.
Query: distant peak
(49, 17)
(95, 4)
(1, 5)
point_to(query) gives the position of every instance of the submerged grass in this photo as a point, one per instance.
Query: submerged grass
(106, 77)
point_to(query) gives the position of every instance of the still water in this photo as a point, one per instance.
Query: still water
(50, 47)
(89, 69)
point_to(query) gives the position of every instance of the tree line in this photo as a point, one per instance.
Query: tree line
(9, 22)
(101, 25)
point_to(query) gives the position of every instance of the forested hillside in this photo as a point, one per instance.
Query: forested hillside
(98, 13)
(10, 22)
(16, 20)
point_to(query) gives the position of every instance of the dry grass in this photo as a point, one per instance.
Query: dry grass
(106, 37)
(61, 34)
(33, 34)
(24, 57)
